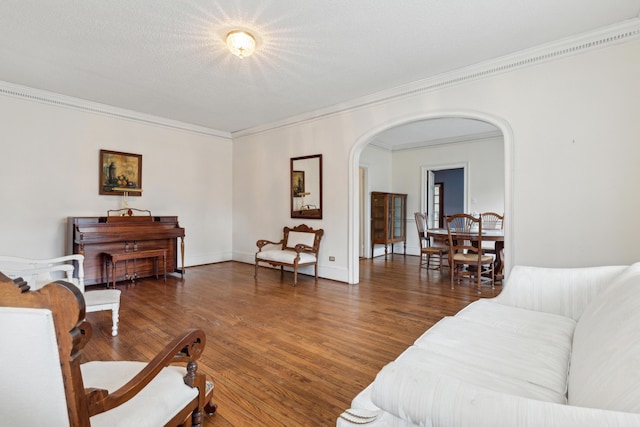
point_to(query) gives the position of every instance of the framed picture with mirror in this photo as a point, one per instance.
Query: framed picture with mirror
(306, 187)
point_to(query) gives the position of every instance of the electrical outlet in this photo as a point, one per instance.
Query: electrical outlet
(332, 258)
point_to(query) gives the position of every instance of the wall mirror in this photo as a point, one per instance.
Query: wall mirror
(306, 187)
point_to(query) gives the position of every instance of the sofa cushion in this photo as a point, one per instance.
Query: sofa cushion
(516, 360)
(551, 327)
(605, 364)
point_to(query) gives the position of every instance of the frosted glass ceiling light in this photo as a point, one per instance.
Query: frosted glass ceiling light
(241, 43)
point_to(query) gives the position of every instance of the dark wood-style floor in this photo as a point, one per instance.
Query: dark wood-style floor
(282, 355)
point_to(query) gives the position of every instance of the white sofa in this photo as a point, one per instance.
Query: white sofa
(557, 347)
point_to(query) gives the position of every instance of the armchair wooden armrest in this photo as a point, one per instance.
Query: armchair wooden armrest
(185, 348)
(303, 248)
(263, 243)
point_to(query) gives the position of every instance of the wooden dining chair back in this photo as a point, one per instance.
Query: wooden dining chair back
(432, 252)
(467, 260)
(491, 221)
(43, 333)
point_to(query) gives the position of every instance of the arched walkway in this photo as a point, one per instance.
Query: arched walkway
(365, 139)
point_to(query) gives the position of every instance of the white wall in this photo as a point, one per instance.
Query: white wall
(569, 122)
(378, 163)
(50, 167)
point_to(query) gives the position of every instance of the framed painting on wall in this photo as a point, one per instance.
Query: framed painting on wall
(120, 172)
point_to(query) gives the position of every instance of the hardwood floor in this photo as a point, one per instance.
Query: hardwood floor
(282, 355)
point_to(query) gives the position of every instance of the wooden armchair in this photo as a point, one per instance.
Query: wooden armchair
(298, 247)
(39, 272)
(43, 383)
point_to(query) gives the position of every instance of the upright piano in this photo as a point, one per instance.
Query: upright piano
(95, 236)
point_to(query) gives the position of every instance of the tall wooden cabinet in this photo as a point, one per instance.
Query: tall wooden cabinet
(388, 224)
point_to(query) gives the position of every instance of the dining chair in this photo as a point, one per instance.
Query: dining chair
(491, 221)
(432, 253)
(466, 257)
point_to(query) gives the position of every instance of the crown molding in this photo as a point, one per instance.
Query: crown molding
(607, 36)
(51, 98)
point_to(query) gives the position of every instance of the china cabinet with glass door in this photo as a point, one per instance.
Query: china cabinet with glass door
(388, 221)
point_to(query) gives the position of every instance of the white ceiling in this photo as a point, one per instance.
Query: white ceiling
(167, 57)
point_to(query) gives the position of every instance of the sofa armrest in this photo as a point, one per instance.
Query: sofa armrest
(427, 398)
(563, 291)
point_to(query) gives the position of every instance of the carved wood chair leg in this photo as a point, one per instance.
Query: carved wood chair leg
(295, 276)
(255, 274)
(196, 418)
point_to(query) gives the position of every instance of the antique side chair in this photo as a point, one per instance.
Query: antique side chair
(43, 333)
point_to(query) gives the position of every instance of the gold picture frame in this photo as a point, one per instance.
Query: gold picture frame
(119, 173)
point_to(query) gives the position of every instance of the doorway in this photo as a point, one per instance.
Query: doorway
(446, 193)
(501, 130)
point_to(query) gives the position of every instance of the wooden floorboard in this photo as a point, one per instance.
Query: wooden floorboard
(282, 355)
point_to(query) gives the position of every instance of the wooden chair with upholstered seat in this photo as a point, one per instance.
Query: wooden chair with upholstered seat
(432, 254)
(298, 247)
(43, 333)
(39, 272)
(466, 257)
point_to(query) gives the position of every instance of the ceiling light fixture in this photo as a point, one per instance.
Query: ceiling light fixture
(241, 43)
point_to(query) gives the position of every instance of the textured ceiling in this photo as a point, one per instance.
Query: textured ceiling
(167, 57)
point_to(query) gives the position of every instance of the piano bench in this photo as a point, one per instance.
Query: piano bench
(112, 258)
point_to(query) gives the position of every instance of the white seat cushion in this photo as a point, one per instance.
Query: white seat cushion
(514, 360)
(495, 359)
(285, 256)
(155, 405)
(102, 296)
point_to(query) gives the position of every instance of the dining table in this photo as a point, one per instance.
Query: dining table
(490, 235)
